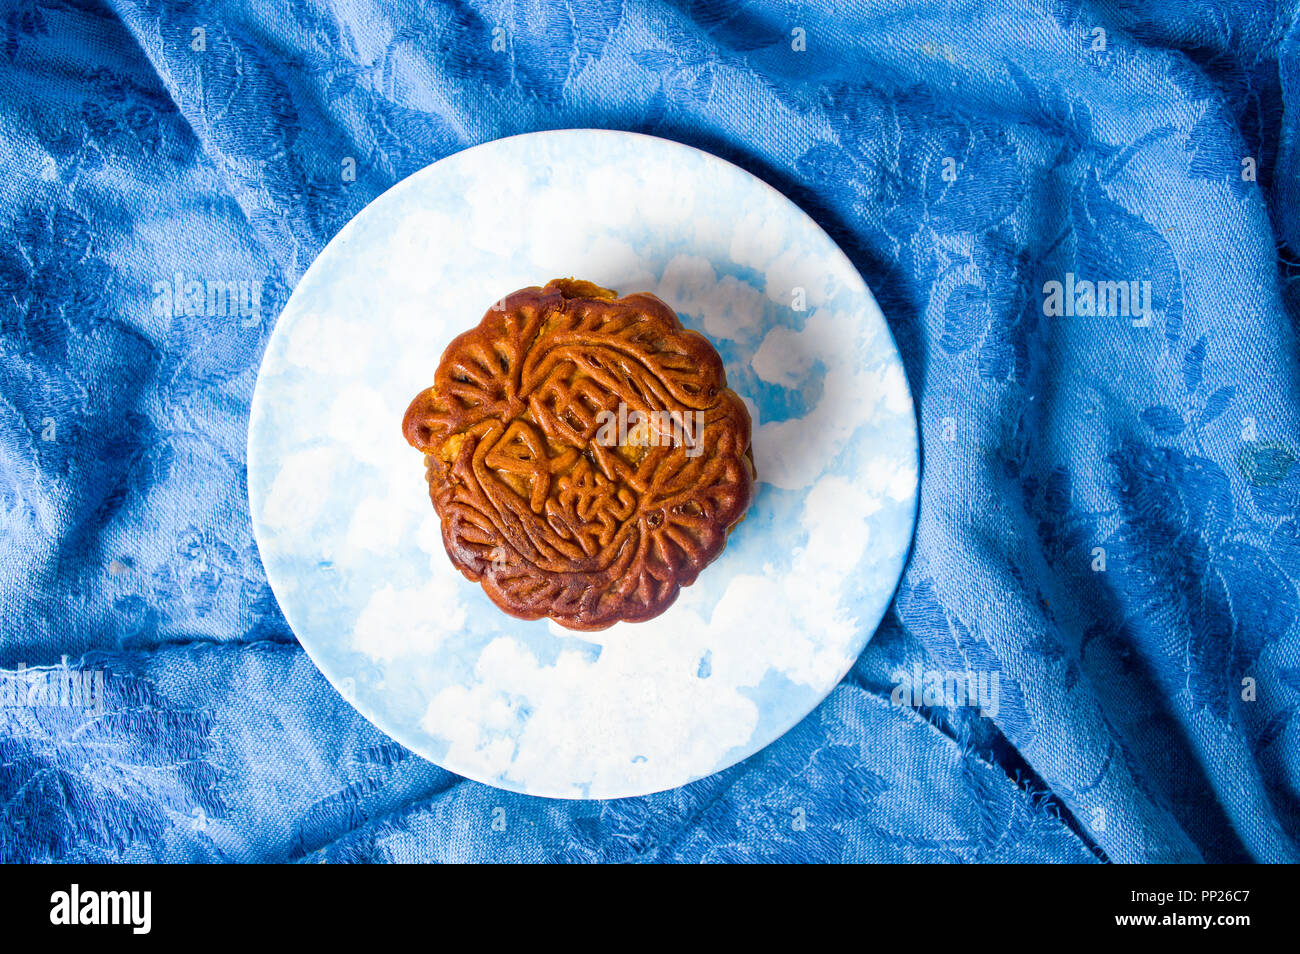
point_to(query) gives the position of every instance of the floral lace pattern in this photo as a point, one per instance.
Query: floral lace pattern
(1081, 221)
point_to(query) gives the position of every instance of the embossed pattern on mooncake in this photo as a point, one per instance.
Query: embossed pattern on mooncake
(584, 454)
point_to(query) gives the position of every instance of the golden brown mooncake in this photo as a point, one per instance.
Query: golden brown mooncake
(584, 454)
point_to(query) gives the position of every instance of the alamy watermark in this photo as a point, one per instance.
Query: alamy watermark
(1083, 298)
(175, 296)
(666, 428)
(53, 688)
(935, 687)
(76, 906)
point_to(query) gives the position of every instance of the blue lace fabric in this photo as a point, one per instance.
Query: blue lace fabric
(1108, 514)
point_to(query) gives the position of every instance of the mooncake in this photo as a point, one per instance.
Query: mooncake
(584, 454)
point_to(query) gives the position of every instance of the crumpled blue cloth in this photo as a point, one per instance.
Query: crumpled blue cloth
(1108, 512)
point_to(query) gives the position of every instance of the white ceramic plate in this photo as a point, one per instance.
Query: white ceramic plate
(351, 543)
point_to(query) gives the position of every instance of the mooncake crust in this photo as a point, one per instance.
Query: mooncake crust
(536, 504)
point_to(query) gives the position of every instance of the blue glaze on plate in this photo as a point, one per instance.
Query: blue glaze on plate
(351, 543)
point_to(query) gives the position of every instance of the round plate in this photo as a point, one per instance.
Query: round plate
(351, 543)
